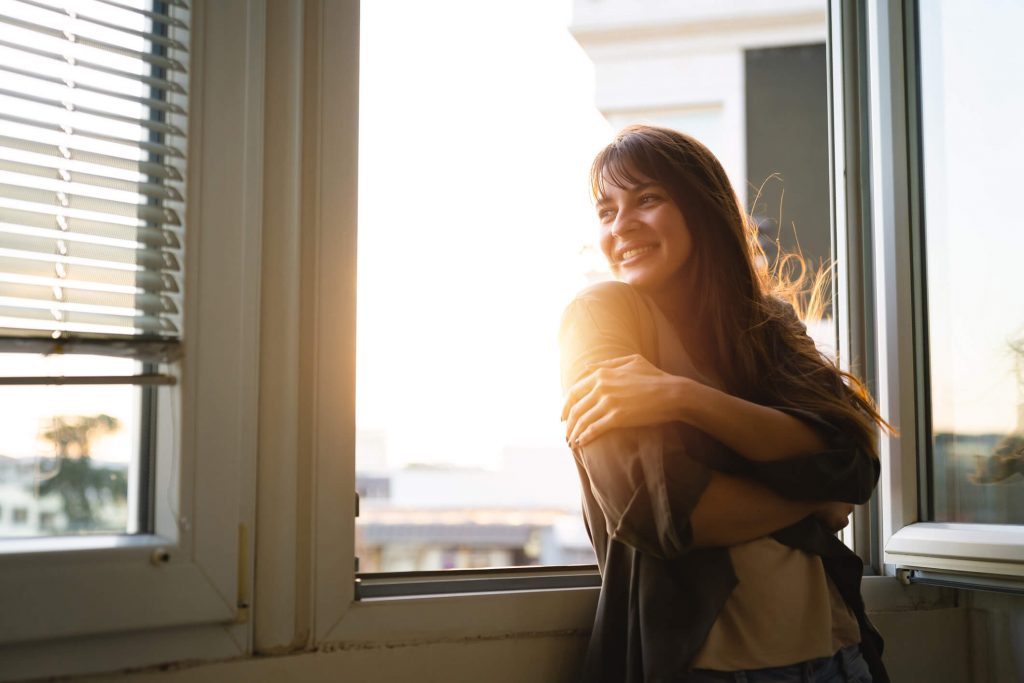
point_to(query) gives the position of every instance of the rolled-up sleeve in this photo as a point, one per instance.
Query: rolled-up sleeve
(642, 478)
(843, 471)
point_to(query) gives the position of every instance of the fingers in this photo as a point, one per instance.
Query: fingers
(581, 415)
(584, 386)
(576, 393)
(598, 428)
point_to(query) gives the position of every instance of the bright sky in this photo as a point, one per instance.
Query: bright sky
(972, 151)
(477, 128)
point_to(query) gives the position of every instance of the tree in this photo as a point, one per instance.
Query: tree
(75, 480)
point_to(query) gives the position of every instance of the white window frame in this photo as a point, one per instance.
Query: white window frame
(909, 544)
(101, 602)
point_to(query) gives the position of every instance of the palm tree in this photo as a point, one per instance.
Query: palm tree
(75, 480)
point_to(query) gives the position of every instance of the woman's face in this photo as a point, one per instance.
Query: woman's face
(644, 236)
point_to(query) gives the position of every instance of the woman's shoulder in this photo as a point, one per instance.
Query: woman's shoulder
(608, 302)
(610, 294)
(609, 309)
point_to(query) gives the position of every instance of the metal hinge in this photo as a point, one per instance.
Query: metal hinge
(357, 503)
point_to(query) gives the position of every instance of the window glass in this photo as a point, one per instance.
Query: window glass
(69, 457)
(476, 229)
(474, 216)
(91, 178)
(971, 106)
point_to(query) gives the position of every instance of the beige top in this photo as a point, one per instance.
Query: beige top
(784, 610)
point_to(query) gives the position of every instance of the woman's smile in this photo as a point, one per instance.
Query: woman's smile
(633, 254)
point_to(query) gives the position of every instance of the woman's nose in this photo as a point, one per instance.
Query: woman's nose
(624, 223)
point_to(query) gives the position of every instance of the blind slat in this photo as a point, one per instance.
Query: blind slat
(112, 48)
(20, 270)
(85, 156)
(157, 126)
(59, 203)
(153, 304)
(88, 17)
(63, 61)
(96, 255)
(57, 130)
(128, 143)
(50, 173)
(92, 113)
(18, 222)
(71, 86)
(145, 283)
(60, 309)
(71, 321)
(154, 16)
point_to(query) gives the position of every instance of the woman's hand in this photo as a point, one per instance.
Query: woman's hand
(617, 393)
(834, 514)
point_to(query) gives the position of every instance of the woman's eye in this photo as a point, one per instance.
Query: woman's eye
(648, 198)
(604, 214)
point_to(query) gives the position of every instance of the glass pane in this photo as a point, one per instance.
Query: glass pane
(971, 106)
(69, 455)
(476, 230)
(473, 213)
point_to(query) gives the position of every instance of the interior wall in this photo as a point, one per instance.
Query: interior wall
(996, 647)
(922, 644)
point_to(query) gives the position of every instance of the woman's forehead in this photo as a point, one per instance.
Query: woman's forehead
(632, 181)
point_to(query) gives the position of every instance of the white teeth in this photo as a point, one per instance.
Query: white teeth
(630, 253)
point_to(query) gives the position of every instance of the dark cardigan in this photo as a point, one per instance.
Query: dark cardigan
(659, 596)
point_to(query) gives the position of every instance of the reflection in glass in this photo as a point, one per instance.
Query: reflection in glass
(971, 107)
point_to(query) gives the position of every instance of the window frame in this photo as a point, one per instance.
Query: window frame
(910, 545)
(100, 602)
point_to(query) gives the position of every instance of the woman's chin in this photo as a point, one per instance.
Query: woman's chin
(646, 283)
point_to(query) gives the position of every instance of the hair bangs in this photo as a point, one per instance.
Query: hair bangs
(623, 163)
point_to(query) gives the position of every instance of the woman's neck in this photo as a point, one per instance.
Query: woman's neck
(681, 310)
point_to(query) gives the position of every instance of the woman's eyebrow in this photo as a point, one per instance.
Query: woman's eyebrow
(632, 189)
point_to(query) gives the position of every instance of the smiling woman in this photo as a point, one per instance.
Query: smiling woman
(717, 448)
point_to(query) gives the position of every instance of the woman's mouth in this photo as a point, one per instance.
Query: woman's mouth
(635, 253)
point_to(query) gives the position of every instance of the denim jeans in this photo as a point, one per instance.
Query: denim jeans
(845, 666)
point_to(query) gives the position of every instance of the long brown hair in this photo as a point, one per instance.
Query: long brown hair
(749, 306)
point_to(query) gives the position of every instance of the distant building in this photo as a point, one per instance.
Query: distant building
(22, 511)
(748, 79)
(443, 517)
(25, 512)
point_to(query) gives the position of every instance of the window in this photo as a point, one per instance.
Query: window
(460, 462)
(971, 256)
(948, 327)
(141, 370)
(91, 169)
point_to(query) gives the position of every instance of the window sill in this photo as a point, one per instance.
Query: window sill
(468, 581)
(983, 549)
(23, 549)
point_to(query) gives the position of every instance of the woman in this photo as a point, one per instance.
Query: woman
(718, 452)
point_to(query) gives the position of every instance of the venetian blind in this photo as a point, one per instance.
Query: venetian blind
(92, 140)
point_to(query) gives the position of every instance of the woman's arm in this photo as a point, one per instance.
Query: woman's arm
(629, 391)
(733, 510)
(797, 461)
(653, 495)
